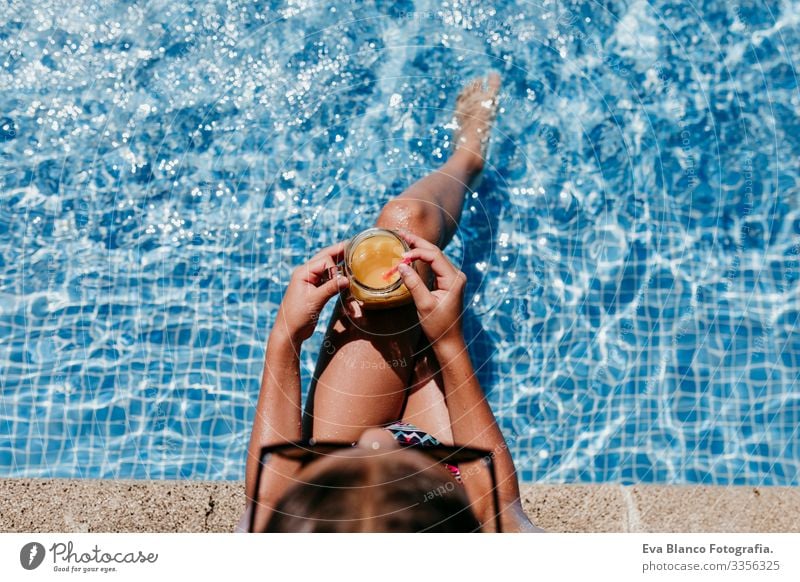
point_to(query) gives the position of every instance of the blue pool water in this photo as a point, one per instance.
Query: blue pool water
(632, 250)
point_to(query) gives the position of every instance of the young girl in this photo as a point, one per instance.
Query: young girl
(359, 394)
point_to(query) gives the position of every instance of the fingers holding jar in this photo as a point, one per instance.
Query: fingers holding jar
(371, 259)
(439, 309)
(379, 267)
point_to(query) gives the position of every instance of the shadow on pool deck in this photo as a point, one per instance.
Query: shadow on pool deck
(64, 505)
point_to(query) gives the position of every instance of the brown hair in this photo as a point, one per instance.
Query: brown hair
(373, 494)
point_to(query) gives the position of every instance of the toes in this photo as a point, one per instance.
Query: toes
(472, 86)
(479, 89)
(469, 90)
(493, 81)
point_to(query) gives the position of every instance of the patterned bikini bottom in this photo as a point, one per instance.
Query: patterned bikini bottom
(408, 435)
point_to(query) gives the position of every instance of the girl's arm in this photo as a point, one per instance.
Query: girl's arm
(471, 418)
(278, 409)
(278, 412)
(474, 425)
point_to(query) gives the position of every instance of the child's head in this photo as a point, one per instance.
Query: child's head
(363, 489)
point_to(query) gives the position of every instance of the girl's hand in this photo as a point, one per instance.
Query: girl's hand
(308, 292)
(439, 310)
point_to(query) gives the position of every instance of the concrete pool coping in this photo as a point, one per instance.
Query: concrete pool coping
(70, 505)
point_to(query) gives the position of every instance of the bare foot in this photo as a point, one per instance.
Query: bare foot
(476, 108)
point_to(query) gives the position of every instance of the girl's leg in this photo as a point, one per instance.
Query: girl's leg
(366, 363)
(425, 405)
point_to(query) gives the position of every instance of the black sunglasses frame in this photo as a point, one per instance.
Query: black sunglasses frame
(306, 451)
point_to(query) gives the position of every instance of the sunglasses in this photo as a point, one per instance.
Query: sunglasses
(306, 452)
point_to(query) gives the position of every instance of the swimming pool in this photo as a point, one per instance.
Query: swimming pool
(166, 164)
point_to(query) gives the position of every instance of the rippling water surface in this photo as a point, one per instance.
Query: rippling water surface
(632, 248)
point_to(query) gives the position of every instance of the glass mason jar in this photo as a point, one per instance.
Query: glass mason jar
(370, 259)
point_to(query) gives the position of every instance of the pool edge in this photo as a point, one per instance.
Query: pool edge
(71, 505)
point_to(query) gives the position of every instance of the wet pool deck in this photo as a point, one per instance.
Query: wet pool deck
(64, 505)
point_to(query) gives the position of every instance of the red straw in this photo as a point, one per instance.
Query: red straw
(388, 274)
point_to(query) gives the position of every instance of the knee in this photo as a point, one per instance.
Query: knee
(417, 216)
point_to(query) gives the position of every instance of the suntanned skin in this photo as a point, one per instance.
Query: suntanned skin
(356, 387)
